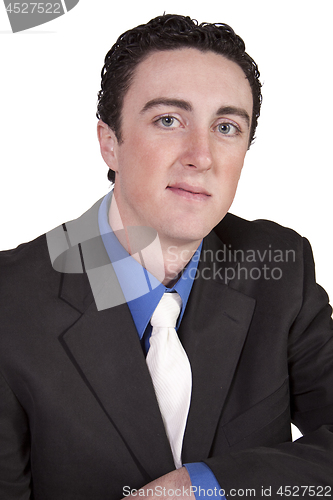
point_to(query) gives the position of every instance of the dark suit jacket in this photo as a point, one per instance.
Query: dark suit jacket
(78, 413)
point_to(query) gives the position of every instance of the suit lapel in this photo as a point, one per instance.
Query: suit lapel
(213, 332)
(105, 348)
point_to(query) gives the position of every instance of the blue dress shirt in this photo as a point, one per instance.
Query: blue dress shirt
(143, 292)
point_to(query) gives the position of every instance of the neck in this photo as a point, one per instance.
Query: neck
(176, 256)
(164, 258)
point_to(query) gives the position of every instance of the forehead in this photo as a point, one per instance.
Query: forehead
(196, 76)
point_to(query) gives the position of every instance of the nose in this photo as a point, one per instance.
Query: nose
(197, 153)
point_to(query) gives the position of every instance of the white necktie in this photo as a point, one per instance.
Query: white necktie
(170, 371)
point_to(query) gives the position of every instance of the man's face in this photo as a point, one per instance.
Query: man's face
(185, 129)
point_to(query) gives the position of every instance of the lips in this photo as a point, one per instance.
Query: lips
(189, 192)
(190, 189)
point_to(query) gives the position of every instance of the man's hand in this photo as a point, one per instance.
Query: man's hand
(173, 486)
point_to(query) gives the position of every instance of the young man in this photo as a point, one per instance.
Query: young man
(82, 414)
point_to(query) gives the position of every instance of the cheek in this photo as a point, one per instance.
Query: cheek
(144, 156)
(232, 169)
(156, 150)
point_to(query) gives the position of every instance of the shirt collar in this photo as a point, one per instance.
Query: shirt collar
(141, 289)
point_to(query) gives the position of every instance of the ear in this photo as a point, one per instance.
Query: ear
(108, 142)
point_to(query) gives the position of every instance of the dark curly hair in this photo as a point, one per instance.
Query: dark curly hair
(167, 32)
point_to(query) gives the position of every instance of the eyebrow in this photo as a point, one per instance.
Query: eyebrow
(180, 103)
(163, 101)
(233, 110)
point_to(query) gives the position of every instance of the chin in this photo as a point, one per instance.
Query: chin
(186, 236)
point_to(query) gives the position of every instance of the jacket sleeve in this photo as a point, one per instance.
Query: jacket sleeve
(14, 447)
(303, 468)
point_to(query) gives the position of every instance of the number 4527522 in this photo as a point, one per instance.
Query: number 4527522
(32, 7)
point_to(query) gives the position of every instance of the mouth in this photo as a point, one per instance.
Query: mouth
(189, 192)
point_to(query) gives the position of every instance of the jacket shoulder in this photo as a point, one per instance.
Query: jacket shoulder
(25, 271)
(241, 233)
(26, 256)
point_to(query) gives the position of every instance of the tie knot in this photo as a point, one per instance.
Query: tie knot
(167, 311)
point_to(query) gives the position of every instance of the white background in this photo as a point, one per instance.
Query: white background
(51, 169)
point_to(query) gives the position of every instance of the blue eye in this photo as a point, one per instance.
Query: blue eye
(167, 121)
(227, 129)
